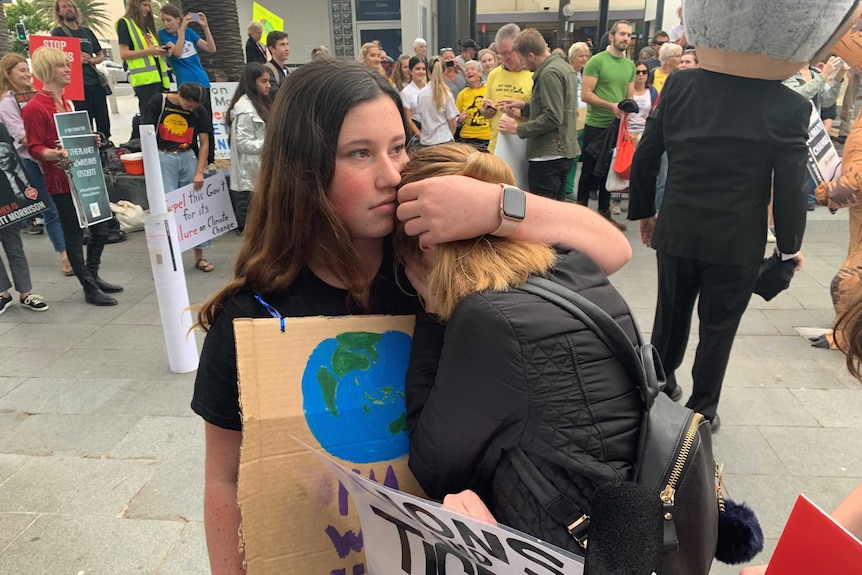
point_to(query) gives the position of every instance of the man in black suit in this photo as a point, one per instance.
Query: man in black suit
(725, 137)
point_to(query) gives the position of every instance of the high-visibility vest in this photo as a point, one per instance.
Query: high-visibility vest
(149, 69)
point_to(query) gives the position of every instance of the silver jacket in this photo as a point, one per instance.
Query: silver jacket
(247, 131)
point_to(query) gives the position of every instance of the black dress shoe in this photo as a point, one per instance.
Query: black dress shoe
(715, 423)
(106, 287)
(98, 297)
(675, 394)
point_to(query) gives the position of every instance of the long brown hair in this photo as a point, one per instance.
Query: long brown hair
(292, 216)
(849, 326)
(398, 78)
(134, 12)
(469, 266)
(7, 63)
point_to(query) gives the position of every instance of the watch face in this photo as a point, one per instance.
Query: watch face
(514, 203)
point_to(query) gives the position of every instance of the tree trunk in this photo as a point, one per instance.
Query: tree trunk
(5, 41)
(224, 25)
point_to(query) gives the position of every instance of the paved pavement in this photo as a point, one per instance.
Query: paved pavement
(101, 460)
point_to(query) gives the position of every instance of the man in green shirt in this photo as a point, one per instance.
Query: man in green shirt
(608, 79)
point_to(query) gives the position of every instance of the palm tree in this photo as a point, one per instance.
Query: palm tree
(5, 40)
(224, 24)
(94, 13)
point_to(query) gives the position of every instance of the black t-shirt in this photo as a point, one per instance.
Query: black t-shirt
(177, 128)
(89, 44)
(216, 395)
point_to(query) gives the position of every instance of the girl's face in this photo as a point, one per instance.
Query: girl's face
(170, 23)
(488, 63)
(405, 68)
(641, 75)
(20, 75)
(369, 157)
(687, 61)
(145, 7)
(417, 74)
(188, 105)
(262, 85)
(372, 58)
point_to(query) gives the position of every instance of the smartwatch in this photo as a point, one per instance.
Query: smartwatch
(513, 208)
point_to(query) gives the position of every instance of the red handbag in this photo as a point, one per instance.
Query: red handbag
(624, 153)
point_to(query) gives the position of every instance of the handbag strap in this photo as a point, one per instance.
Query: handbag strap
(558, 506)
(606, 329)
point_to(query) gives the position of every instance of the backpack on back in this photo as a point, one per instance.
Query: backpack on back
(674, 459)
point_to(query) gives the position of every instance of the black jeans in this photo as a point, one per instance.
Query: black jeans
(145, 94)
(241, 202)
(588, 181)
(74, 237)
(96, 104)
(722, 293)
(548, 178)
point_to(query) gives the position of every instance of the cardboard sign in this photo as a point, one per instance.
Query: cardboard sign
(405, 534)
(812, 542)
(18, 199)
(221, 93)
(204, 214)
(850, 46)
(823, 159)
(72, 48)
(86, 177)
(336, 384)
(268, 19)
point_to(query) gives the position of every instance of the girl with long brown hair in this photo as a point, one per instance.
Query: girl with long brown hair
(316, 243)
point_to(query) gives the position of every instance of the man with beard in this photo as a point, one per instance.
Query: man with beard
(67, 18)
(608, 79)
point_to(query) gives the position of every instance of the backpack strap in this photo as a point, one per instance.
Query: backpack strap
(563, 510)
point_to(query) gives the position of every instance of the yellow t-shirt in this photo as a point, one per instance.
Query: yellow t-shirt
(503, 84)
(659, 78)
(475, 125)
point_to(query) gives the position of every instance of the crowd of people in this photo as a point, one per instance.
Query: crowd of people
(335, 221)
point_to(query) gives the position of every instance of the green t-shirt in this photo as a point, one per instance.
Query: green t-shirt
(614, 76)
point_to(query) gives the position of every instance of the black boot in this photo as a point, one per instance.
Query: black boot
(105, 286)
(98, 234)
(95, 296)
(619, 225)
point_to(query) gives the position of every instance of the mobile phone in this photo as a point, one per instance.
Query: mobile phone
(450, 64)
(195, 17)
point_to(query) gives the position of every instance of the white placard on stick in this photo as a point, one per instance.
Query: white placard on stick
(204, 214)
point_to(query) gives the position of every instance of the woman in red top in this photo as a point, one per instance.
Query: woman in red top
(52, 67)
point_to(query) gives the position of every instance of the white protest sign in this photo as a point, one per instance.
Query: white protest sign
(221, 94)
(406, 534)
(823, 160)
(201, 215)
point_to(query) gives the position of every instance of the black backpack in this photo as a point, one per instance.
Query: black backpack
(674, 459)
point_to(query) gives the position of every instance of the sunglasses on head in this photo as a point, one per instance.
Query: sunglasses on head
(445, 50)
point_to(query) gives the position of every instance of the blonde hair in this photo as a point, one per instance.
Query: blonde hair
(45, 59)
(252, 26)
(439, 89)
(579, 48)
(484, 51)
(465, 267)
(398, 79)
(7, 64)
(363, 52)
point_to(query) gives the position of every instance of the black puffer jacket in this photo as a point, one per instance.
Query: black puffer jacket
(517, 371)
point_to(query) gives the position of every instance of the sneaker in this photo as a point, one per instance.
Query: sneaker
(770, 236)
(34, 302)
(615, 208)
(35, 229)
(5, 302)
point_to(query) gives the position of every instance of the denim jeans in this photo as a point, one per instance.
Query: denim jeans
(10, 236)
(178, 170)
(52, 220)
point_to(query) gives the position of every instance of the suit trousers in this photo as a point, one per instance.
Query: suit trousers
(588, 181)
(86, 272)
(722, 293)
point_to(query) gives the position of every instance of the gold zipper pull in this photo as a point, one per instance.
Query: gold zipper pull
(668, 495)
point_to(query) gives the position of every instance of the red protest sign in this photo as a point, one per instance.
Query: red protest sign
(72, 47)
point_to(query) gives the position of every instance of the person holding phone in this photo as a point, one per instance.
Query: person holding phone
(185, 42)
(139, 47)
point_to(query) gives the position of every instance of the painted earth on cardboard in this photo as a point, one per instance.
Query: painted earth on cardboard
(353, 395)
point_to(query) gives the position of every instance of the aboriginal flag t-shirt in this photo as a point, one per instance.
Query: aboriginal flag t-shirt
(177, 128)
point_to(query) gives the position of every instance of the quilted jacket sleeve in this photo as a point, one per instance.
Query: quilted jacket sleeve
(478, 394)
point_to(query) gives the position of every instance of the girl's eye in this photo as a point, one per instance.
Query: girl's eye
(398, 150)
(361, 154)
